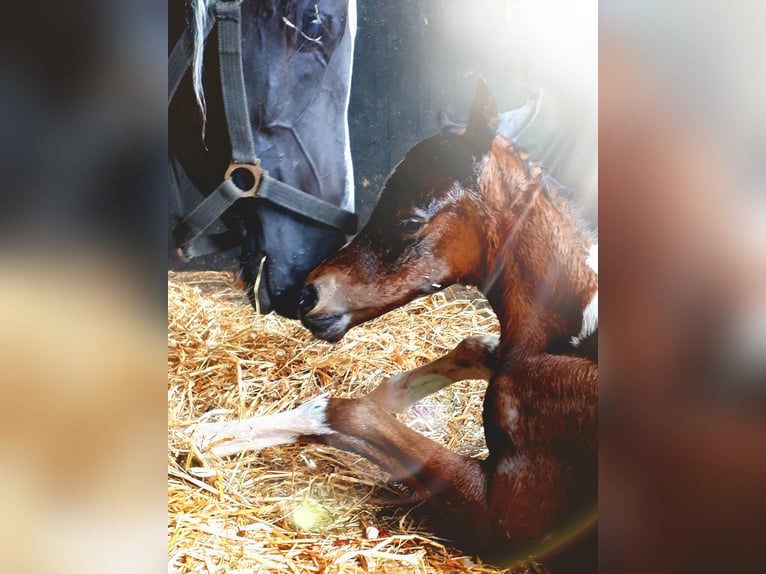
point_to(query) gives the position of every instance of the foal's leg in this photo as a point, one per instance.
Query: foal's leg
(473, 358)
(227, 438)
(540, 421)
(455, 484)
(513, 495)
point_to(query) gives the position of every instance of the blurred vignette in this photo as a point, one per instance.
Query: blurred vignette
(682, 204)
(682, 214)
(82, 269)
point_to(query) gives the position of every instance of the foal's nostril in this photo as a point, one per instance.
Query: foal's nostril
(309, 298)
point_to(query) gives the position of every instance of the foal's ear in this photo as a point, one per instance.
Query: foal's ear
(483, 120)
(514, 123)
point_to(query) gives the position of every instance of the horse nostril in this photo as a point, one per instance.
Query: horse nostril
(309, 298)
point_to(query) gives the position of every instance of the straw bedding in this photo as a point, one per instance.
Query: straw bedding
(304, 508)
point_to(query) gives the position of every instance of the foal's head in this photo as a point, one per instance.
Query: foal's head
(428, 230)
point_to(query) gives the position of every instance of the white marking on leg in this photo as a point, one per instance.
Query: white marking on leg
(256, 433)
(590, 314)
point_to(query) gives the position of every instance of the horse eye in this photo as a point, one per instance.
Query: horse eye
(410, 226)
(312, 25)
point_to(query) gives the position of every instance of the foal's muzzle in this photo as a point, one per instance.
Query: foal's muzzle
(330, 327)
(327, 323)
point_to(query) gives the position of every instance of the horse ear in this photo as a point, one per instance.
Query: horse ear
(483, 120)
(515, 122)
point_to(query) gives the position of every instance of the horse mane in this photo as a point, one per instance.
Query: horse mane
(561, 197)
(508, 167)
(200, 12)
(534, 169)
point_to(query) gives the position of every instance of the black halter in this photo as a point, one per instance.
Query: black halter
(244, 177)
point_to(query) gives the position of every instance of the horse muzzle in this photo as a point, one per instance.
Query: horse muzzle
(264, 300)
(262, 292)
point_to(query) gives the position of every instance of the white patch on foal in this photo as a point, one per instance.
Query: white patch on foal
(590, 314)
(232, 437)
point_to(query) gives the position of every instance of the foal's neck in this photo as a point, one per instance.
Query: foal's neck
(535, 275)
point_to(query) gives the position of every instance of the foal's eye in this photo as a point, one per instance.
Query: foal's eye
(411, 226)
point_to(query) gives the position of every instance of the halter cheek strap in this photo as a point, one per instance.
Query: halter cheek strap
(188, 234)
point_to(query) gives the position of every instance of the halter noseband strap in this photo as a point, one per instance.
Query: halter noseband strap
(256, 182)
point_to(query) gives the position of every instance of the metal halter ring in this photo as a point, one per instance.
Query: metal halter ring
(246, 176)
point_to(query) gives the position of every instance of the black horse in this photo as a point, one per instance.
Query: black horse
(296, 60)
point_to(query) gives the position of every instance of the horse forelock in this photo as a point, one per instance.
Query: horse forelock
(200, 13)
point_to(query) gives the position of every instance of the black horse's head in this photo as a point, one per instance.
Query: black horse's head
(297, 57)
